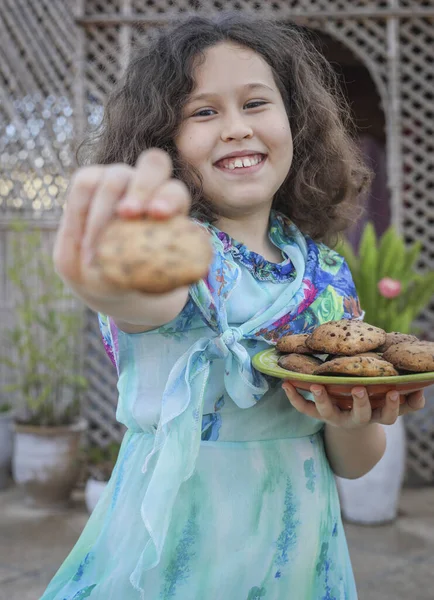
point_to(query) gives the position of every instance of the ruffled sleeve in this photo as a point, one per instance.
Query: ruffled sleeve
(352, 308)
(109, 333)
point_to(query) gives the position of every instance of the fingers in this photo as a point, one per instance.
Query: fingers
(153, 168)
(327, 410)
(73, 223)
(299, 403)
(361, 412)
(414, 402)
(151, 190)
(387, 414)
(111, 189)
(170, 199)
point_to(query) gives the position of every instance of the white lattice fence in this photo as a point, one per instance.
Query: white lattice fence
(417, 131)
(36, 127)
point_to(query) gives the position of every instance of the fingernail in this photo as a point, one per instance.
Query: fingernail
(394, 396)
(360, 394)
(316, 391)
(160, 204)
(129, 204)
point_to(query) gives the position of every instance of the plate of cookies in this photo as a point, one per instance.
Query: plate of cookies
(347, 353)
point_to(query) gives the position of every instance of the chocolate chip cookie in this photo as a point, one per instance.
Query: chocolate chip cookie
(154, 256)
(417, 357)
(394, 337)
(294, 343)
(300, 363)
(360, 366)
(345, 338)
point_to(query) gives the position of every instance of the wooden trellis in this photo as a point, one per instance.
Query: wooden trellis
(59, 59)
(36, 125)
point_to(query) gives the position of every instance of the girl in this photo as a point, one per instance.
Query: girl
(223, 489)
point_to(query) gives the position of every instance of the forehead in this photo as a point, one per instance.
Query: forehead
(227, 64)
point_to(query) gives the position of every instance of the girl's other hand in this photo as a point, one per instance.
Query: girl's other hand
(360, 415)
(97, 194)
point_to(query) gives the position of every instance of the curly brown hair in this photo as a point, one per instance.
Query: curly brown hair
(327, 175)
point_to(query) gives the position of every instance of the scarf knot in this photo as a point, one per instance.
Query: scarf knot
(222, 345)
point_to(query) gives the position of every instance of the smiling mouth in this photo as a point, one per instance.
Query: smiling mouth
(241, 163)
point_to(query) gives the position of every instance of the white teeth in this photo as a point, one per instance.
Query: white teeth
(239, 163)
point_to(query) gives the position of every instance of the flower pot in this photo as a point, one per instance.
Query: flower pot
(92, 492)
(374, 498)
(6, 444)
(45, 462)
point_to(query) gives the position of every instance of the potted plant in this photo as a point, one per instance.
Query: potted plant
(391, 291)
(392, 294)
(101, 462)
(6, 440)
(43, 366)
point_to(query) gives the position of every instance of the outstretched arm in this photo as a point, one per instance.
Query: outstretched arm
(96, 195)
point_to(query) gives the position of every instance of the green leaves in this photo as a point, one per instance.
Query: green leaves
(369, 261)
(388, 257)
(42, 350)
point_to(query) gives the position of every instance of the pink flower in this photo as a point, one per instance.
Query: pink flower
(389, 288)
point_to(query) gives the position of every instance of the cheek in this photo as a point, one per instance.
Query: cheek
(193, 148)
(282, 140)
(183, 144)
(281, 134)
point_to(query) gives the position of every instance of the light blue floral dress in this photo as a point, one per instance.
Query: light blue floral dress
(222, 490)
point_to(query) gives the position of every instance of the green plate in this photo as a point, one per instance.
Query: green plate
(266, 362)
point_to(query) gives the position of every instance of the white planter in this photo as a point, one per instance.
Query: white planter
(45, 462)
(92, 493)
(6, 444)
(374, 498)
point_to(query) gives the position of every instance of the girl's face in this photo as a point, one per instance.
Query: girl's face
(235, 131)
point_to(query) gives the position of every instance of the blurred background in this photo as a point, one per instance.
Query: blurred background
(58, 433)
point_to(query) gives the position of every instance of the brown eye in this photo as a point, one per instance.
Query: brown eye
(255, 104)
(205, 112)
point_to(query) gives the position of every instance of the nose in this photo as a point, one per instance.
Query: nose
(236, 127)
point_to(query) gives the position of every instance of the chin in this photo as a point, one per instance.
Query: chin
(242, 202)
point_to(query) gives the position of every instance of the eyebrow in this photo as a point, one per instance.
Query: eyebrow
(249, 86)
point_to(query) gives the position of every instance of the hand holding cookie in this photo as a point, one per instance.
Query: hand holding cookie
(112, 212)
(154, 257)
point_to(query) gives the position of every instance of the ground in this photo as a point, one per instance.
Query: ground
(391, 562)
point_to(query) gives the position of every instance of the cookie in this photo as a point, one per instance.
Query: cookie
(417, 357)
(294, 343)
(300, 363)
(394, 337)
(358, 366)
(154, 256)
(345, 338)
(330, 357)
